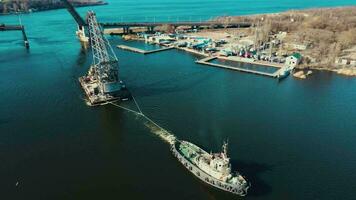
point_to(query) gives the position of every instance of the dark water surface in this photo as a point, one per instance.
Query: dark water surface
(291, 139)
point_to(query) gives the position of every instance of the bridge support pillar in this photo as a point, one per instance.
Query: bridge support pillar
(26, 43)
(126, 30)
(150, 29)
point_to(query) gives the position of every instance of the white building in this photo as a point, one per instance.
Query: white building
(293, 60)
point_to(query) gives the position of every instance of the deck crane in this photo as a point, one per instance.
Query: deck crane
(102, 84)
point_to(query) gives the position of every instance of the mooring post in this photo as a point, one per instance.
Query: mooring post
(126, 29)
(26, 43)
(150, 29)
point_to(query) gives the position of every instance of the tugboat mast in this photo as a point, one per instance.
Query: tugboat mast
(225, 148)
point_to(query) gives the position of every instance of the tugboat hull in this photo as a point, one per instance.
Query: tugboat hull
(206, 178)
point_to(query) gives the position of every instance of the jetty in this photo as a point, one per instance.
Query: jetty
(21, 28)
(206, 61)
(137, 50)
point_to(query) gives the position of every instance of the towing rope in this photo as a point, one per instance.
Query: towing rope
(164, 134)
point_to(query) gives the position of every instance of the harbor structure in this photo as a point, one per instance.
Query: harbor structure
(137, 50)
(293, 60)
(282, 72)
(20, 27)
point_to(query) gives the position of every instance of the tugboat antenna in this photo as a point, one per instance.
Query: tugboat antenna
(225, 146)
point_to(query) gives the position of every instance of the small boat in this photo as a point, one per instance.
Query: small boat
(284, 72)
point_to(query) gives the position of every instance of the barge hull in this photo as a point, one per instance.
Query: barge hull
(93, 100)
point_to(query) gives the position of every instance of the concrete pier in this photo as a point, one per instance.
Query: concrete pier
(137, 50)
(21, 28)
(205, 61)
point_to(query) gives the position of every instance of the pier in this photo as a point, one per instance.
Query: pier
(137, 50)
(21, 28)
(206, 61)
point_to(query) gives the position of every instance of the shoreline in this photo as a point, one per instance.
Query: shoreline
(252, 61)
(336, 71)
(311, 34)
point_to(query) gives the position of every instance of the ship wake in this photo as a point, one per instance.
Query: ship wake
(161, 132)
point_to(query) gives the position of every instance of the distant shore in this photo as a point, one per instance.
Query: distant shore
(324, 37)
(24, 8)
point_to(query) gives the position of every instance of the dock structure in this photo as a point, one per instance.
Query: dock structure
(206, 61)
(137, 50)
(21, 28)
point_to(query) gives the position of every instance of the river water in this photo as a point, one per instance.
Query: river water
(291, 139)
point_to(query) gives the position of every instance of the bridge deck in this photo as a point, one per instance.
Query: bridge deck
(150, 24)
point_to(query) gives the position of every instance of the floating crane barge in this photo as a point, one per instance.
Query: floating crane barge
(102, 84)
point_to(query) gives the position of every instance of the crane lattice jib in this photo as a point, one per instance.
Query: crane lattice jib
(105, 62)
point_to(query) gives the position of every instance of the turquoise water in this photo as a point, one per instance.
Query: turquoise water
(291, 139)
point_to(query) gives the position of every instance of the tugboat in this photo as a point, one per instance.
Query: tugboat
(213, 169)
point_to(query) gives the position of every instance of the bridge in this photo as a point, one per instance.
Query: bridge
(188, 23)
(150, 25)
(21, 28)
